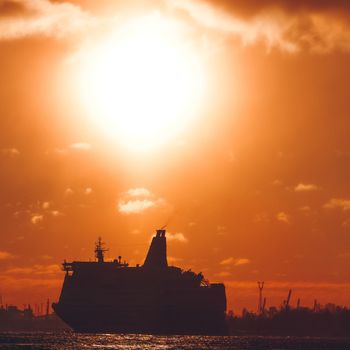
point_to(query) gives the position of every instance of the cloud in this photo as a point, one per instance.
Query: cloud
(19, 284)
(37, 219)
(68, 192)
(10, 152)
(277, 183)
(289, 27)
(37, 212)
(56, 213)
(283, 217)
(249, 8)
(57, 151)
(139, 192)
(221, 230)
(88, 191)
(346, 223)
(242, 261)
(231, 261)
(173, 260)
(228, 261)
(138, 200)
(137, 206)
(46, 205)
(6, 255)
(338, 203)
(319, 26)
(301, 187)
(80, 146)
(306, 210)
(37, 269)
(223, 274)
(262, 217)
(46, 257)
(23, 18)
(178, 236)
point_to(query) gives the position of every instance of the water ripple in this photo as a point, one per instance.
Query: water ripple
(73, 341)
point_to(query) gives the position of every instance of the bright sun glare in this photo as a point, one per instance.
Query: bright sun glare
(144, 84)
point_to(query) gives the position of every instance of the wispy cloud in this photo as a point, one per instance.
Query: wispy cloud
(283, 217)
(41, 17)
(41, 211)
(139, 192)
(81, 146)
(305, 210)
(138, 200)
(221, 230)
(10, 152)
(37, 269)
(88, 191)
(6, 255)
(306, 27)
(262, 217)
(137, 206)
(68, 192)
(37, 219)
(274, 25)
(56, 213)
(346, 223)
(302, 187)
(231, 261)
(173, 260)
(338, 203)
(46, 257)
(223, 274)
(46, 205)
(178, 236)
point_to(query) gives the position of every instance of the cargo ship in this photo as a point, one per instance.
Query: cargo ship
(154, 298)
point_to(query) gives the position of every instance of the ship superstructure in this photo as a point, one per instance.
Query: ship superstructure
(155, 298)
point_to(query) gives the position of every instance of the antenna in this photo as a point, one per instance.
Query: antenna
(100, 250)
(166, 225)
(261, 287)
(264, 305)
(288, 299)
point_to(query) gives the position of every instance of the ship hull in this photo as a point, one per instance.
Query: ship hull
(106, 319)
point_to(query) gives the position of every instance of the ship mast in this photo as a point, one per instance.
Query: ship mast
(100, 250)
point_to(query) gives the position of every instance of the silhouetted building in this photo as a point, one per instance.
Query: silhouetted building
(105, 296)
(14, 319)
(330, 320)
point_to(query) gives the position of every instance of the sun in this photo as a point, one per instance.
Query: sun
(143, 85)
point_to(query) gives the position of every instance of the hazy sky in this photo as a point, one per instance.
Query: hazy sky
(228, 120)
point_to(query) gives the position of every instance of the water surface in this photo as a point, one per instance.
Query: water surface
(72, 341)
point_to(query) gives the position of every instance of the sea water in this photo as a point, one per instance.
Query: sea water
(73, 341)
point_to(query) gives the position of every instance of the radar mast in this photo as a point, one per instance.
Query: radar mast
(100, 250)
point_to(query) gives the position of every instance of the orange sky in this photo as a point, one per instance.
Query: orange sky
(255, 187)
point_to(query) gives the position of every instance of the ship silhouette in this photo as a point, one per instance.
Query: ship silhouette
(102, 297)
